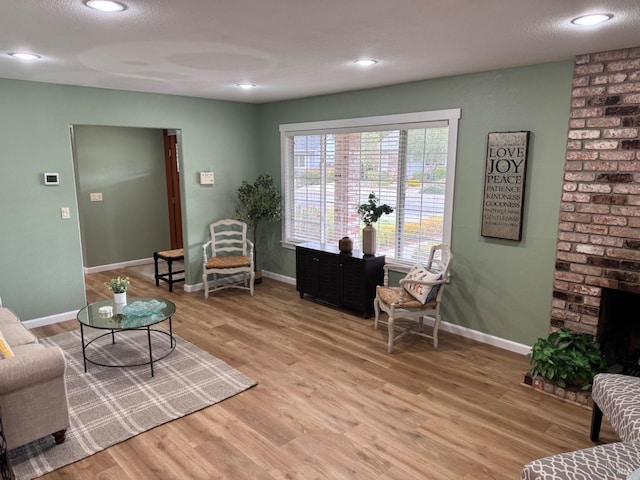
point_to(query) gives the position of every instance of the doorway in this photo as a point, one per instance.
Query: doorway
(124, 185)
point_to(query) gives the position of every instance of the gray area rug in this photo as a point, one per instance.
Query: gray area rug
(110, 405)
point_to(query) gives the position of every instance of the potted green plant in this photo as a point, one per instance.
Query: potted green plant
(370, 212)
(118, 286)
(257, 202)
(567, 358)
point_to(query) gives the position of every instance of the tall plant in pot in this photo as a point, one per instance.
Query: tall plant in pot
(257, 202)
(370, 212)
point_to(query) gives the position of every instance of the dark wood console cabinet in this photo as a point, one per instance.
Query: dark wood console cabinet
(342, 279)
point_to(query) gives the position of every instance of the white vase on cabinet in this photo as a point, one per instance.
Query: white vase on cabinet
(369, 240)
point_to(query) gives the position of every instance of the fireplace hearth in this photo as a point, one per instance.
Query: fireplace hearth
(619, 330)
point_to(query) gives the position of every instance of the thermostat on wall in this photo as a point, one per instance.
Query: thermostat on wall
(51, 179)
(206, 178)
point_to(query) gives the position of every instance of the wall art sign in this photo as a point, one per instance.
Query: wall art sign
(504, 182)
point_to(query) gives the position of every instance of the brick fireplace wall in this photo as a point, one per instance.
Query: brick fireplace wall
(599, 230)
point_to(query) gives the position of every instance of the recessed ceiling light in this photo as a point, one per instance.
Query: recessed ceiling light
(25, 55)
(595, 19)
(365, 62)
(246, 86)
(105, 5)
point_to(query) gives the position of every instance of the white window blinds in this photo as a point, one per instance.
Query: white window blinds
(329, 171)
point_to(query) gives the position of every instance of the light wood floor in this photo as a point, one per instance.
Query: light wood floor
(332, 404)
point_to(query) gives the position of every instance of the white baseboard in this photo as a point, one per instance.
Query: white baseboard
(113, 266)
(265, 273)
(42, 321)
(482, 337)
(278, 277)
(444, 326)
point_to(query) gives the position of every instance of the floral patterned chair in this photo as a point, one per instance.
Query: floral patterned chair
(418, 295)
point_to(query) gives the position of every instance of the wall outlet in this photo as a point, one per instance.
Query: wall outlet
(65, 213)
(206, 178)
(95, 197)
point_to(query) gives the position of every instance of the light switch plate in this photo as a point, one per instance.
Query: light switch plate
(51, 178)
(65, 213)
(206, 178)
(95, 197)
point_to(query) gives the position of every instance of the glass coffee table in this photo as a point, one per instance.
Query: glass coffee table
(139, 313)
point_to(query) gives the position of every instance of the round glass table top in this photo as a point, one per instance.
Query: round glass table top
(138, 312)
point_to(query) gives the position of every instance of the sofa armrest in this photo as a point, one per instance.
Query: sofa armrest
(36, 367)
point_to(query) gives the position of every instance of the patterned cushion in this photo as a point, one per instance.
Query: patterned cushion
(392, 296)
(618, 396)
(614, 461)
(422, 293)
(230, 261)
(5, 349)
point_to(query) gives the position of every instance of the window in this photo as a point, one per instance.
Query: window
(407, 160)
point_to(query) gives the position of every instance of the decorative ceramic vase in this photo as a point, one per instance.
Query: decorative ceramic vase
(120, 297)
(369, 240)
(345, 244)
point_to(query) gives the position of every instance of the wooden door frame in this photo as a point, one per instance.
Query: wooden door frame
(172, 175)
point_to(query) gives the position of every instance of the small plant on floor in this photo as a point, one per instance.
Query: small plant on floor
(118, 284)
(567, 358)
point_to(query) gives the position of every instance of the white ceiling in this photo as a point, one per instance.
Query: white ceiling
(295, 48)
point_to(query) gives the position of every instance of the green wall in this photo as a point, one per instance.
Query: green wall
(126, 166)
(40, 254)
(502, 288)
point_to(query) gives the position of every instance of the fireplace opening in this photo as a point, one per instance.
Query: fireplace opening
(619, 330)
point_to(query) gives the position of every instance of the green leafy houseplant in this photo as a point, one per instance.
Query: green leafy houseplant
(370, 212)
(118, 284)
(567, 358)
(258, 201)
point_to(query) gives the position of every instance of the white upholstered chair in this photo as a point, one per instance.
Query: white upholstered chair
(396, 302)
(229, 254)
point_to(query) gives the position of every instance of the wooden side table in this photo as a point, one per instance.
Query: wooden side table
(168, 256)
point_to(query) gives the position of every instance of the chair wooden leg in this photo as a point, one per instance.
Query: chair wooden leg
(436, 327)
(596, 422)
(252, 280)
(155, 265)
(376, 310)
(206, 286)
(391, 332)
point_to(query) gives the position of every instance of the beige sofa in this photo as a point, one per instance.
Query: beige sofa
(33, 392)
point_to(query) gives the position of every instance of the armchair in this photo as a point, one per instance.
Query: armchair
(418, 295)
(229, 252)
